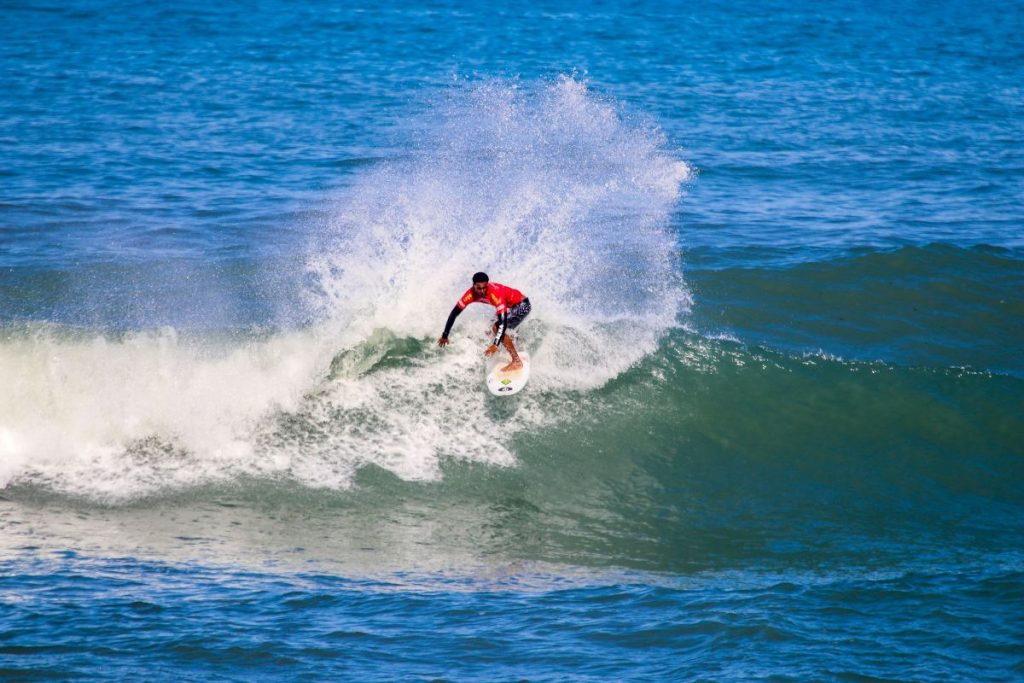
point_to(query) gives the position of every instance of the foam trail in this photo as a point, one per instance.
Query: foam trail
(548, 187)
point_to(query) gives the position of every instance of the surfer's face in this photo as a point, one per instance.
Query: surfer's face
(480, 288)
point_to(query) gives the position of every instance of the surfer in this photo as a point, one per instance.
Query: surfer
(511, 308)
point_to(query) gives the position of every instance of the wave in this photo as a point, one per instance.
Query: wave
(113, 420)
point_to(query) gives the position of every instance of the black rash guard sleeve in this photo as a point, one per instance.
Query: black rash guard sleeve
(451, 321)
(500, 334)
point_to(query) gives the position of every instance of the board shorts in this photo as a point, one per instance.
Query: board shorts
(517, 314)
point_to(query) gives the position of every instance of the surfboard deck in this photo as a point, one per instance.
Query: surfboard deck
(507, 383)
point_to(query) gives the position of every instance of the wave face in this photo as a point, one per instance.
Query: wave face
(934, 305)
(550, 188)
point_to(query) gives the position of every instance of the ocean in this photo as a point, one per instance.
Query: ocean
(775, 423)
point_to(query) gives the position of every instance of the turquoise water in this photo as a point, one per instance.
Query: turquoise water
(774, 424)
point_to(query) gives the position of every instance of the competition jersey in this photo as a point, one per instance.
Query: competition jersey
(499, 296)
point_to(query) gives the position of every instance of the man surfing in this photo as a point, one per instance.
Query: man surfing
(511, 308)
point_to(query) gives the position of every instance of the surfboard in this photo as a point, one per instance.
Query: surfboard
(507, 383)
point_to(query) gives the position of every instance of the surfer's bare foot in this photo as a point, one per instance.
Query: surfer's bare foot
(514, 365)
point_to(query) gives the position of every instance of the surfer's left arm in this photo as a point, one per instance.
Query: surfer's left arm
(499, 332)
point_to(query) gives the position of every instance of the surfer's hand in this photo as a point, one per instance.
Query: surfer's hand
(491, 350)
(443, 341)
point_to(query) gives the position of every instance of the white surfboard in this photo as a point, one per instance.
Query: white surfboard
(507, 383)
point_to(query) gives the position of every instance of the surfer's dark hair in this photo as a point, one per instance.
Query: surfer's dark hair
(480, 277)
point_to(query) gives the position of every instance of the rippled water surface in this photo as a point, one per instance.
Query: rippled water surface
(774, 423)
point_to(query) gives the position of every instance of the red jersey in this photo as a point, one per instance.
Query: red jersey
(499, 296)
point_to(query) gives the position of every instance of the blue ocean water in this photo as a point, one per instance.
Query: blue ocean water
(774, 424)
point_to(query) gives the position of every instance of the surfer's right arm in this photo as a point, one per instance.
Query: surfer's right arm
(443, 341)
(464, 300)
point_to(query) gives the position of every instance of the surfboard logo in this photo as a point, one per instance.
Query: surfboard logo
(506, 381)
